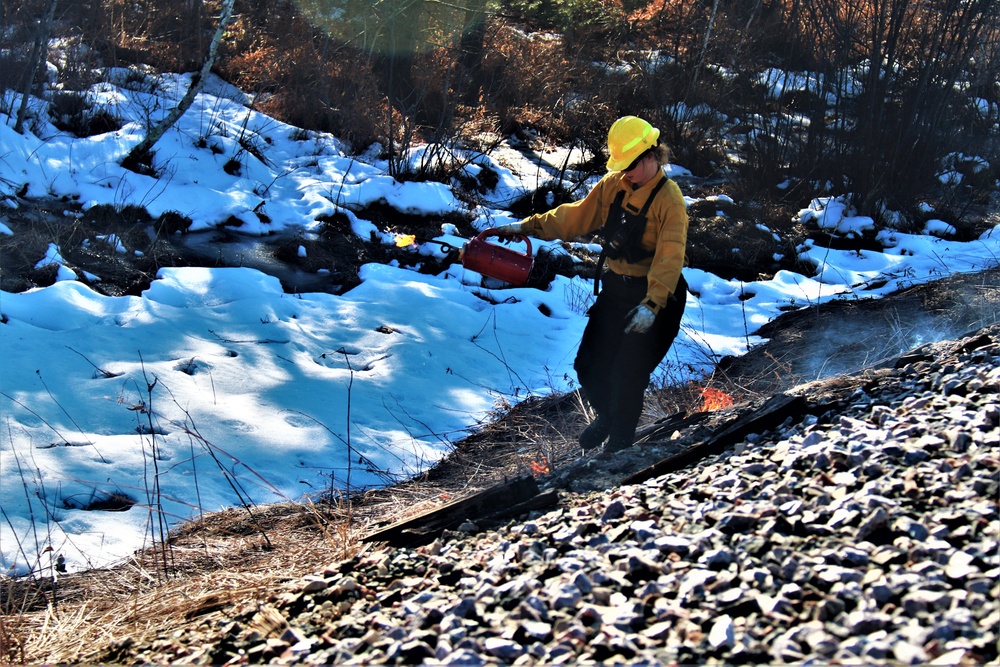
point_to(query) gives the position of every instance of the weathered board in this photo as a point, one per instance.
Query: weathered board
(770, 414)
(504, 500)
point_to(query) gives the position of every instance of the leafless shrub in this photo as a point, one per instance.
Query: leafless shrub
(73, 112)
(526, 80)
(750, 244)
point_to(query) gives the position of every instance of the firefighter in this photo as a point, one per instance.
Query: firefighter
(641, 294)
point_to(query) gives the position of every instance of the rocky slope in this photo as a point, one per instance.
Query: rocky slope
(864, 530)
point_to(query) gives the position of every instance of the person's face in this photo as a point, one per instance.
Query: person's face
(639, 173)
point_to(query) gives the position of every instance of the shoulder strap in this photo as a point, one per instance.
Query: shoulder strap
(652, 195)
(619, 198)
(615, 213)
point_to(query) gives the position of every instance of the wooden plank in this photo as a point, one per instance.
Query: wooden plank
(770, 414)
(450, 516)
(543, 500)
(667, 425)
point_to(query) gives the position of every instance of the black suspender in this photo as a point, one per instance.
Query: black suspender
(615, 226)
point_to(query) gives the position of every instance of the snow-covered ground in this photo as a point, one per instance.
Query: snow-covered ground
(215, 388)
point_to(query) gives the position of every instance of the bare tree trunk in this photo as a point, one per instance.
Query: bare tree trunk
(194, 17)
(402, 32)
(744, 34)
(471, 51)
(704, 45)
(37, 56)
(139, 156)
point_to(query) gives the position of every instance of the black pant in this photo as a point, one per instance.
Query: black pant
(614, 367)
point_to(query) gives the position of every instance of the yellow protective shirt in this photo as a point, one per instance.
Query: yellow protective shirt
(665, 233)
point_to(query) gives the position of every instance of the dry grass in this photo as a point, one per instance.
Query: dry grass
(214, 563)
(535, 430)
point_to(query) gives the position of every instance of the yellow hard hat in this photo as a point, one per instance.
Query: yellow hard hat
(628, 138)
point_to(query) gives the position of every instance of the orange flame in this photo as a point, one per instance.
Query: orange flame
(715, 399)
(540, 466)
(404, 240)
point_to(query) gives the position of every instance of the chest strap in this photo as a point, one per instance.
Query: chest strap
(616, 222)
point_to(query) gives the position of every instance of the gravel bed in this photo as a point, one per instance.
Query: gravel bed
(864, 535)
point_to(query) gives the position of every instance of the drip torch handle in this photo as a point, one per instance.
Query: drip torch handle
(495, 232)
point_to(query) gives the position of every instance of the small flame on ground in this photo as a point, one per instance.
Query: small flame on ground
(715, 399)
(405, 240)
(540, 466)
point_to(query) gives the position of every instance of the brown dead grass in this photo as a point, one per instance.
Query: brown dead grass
(214, 563)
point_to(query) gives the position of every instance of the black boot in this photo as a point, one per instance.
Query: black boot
(595, 434)
(618, 442)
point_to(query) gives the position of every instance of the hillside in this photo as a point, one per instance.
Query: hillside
(802, 541)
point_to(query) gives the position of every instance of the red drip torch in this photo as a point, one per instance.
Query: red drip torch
(496, 261)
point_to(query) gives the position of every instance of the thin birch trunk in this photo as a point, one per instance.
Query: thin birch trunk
(37, 58)
(141, 153)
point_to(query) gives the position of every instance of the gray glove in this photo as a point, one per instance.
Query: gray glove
(640, 319)
(510, 229)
